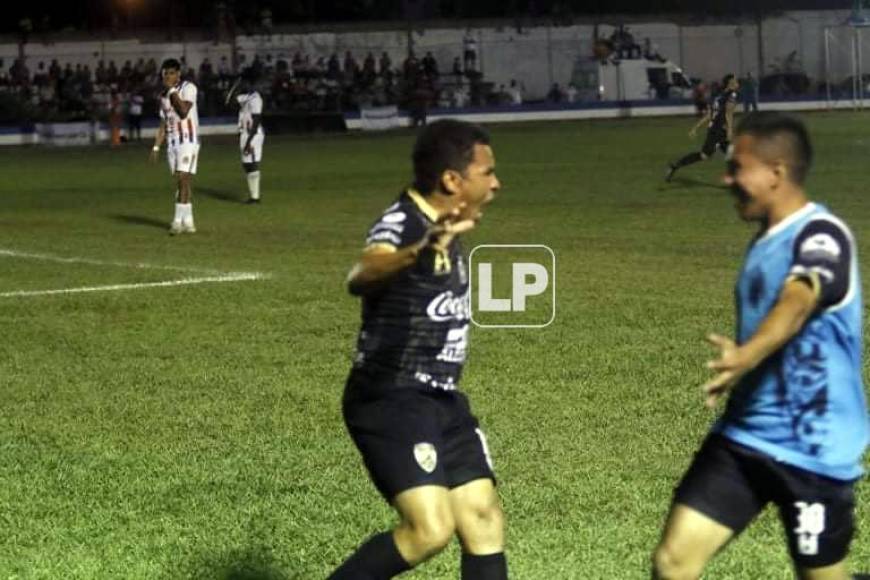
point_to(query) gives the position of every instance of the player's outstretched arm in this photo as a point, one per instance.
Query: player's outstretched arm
(380, 262)
(701, 122)
(232, 91)
(158, 140)
(797, 301)
(729, 120)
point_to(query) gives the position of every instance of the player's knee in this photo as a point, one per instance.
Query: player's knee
(249, 167)
(669, 564)
(485, 514)
(432, 534)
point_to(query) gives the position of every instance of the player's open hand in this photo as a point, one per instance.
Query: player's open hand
(729, 367)
(152, 157)
(692, 132)
(248, 149)
(450, 226)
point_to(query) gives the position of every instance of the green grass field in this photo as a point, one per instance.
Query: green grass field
(194, 431)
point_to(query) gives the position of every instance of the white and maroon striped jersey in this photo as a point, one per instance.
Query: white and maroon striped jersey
(180, 131)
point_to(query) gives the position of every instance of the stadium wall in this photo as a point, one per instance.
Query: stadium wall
(538, 56)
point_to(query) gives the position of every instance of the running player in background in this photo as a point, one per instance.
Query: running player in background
(179, 126)
(720, 126)
(422, 446)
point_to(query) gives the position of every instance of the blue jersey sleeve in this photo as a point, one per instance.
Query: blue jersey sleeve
(823, 256)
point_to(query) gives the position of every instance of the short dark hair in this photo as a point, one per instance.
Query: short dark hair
(727, 79)
(442, 145)
(786, 135)
(171, 63)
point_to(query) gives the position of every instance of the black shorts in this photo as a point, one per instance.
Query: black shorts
(716, 138)
(731, 484)
(408, 437)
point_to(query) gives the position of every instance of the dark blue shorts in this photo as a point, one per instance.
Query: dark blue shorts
(731, 484)
(410, 437)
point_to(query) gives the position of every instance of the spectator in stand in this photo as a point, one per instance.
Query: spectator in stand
(457, 70)
(135, 102)
(112, 72)
(350, 67)
(411, 68)
(126, 71)
(699, 98)
(515, 92)
(385, 66)
(571, 93)
(555, 94)
(430, 66)
(749, 93)
(369, 71)
(333, 68)
(418, 104)
(469, 52)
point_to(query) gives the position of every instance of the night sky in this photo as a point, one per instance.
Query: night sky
(124, 14)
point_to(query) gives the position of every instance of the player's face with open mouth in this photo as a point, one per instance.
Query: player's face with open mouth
(750, 178)
(479, 182)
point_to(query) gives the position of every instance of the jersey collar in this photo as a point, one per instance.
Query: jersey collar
(808, 208)
(424, 206)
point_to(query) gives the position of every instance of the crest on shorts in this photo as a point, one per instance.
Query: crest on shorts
(185, 160)
(426, 456)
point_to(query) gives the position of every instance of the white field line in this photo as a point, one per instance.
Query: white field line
(237, 277)
(141, 265)
(214, 276)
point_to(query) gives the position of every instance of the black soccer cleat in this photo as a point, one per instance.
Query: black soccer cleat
(252, 201)
(672, 169)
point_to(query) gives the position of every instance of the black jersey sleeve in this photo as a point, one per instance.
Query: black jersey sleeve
(398, 227)
(823, 256)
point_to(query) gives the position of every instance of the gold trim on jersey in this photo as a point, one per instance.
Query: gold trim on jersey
(424, 206)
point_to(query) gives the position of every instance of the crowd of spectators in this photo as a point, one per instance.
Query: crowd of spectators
(302, 83)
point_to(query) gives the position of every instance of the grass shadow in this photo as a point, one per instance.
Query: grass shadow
(218, 194)
(251, 564)
(140, 220)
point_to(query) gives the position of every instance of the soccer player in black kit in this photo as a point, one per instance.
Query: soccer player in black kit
(423, 448)
(720, 126)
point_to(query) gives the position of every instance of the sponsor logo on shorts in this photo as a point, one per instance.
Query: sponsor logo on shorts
(426, 456)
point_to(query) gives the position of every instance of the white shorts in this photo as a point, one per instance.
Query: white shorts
(183, 158)
(256, 145)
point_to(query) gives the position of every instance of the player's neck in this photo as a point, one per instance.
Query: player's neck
(441, 203)
(794, 201)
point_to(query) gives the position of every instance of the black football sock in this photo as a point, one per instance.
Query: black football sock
(689, 159)
(490, 567)
(377, 559)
